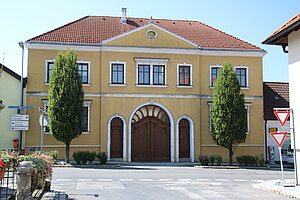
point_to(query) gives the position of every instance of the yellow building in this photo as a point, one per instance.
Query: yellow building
(9, 96)
(148, 86)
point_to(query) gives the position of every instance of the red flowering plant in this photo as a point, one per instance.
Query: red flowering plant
(2, 165)
(9, 158)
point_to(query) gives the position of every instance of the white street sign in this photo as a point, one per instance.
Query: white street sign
(20, 117)
(19, 123)
(19, 128)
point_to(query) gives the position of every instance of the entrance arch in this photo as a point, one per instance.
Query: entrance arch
(152, 125)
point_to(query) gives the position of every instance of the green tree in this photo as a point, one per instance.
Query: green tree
(65, 107)
(229, 120)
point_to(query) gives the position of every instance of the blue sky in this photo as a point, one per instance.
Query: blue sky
(249, 20)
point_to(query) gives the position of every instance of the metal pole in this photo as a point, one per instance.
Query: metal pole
(42, 131)
(21, 44)
(281, 165)
(295, 149)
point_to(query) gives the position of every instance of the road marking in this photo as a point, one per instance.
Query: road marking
(192, 195)
(165, 179)
(84, 180)
(104, 179)
(221, 179)
(146, 179)
(257, 180)
(60, 179)
(203, 179)
(126, 179)
(240, 180)
(184, 179)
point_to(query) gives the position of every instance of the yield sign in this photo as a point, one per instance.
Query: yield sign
(279, 137)
(282, 116)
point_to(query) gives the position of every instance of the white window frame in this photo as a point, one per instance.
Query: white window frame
(86, 103)
(247, 106)
(247, 74)
(151, 62)
(46, 82)
(110, 74)
(210, 70)
(191, 76)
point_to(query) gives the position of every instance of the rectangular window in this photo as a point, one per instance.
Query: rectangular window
(83, 70)
(241, 74)
(214, 72)
(49, 69)
(184, 75)
(117, 73)
(85, 120)
(144, 74)
(158, 75)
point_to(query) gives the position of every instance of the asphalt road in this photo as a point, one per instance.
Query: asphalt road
(165, 182)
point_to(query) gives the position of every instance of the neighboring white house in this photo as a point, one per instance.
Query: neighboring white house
(288, 35)
(276, 95)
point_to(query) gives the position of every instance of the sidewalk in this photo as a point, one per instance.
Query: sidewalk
(55, 194)
(288, 189)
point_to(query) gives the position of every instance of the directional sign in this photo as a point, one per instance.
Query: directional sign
(20, 117)
(21, 107)
(282, 116)
(279, 137)
(19, 123)
(19, 128)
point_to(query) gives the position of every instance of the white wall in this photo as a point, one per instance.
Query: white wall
(270, 140)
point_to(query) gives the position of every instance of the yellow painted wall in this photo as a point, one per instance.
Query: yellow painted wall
(102, 108)
(10, 95)
(139, 38)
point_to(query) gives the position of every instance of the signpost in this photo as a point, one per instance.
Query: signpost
(279, 138)
(19, 122)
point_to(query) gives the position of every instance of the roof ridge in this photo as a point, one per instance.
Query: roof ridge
(229, 35)
(279, 82)
(59, 27)
(11, 72)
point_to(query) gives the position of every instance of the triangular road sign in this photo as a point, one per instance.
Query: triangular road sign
(282, 116)
(279, 137)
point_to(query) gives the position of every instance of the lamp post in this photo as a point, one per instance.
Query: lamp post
(21, 44)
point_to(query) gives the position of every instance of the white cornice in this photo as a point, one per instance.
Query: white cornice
(162, 50)
(135, 95)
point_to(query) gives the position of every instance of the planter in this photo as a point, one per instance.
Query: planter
(2, 172)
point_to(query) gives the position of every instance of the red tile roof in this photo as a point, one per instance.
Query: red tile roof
(280, 36)
(94, 30)
(276, 95)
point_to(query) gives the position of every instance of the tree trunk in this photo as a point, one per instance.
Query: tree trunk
(67, 153)
(230, 154)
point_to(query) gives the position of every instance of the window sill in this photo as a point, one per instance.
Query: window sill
(184, 86)
(85, 84)
(245, 88)
(117, 85)
(160, 86)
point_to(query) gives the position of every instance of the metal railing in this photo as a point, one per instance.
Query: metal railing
(8, 185)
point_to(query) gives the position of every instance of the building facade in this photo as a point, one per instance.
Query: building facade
(148, 86)
(276, 95)
(9, 96)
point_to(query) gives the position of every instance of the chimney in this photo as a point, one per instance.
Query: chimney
(124, 20)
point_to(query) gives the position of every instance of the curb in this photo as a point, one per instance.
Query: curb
(277, 189)
(55, 195)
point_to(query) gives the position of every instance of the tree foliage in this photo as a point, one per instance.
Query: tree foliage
(65, 107)
(229, 119)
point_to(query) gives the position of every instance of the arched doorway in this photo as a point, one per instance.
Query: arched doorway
(184, 138)
(150, 137)
(116, 138)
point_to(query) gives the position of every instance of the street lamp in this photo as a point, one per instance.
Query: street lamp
(21, 44)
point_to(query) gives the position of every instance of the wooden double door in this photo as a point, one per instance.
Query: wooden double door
(151, 139)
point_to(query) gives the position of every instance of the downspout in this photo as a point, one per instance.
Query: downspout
(266, 142)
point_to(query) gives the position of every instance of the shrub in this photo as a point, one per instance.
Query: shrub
(76, 156)
(212, 159)
(91, 156)
(261, 161)
(218, 159)
(247, 160)
(204, 160)
(102, 156)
